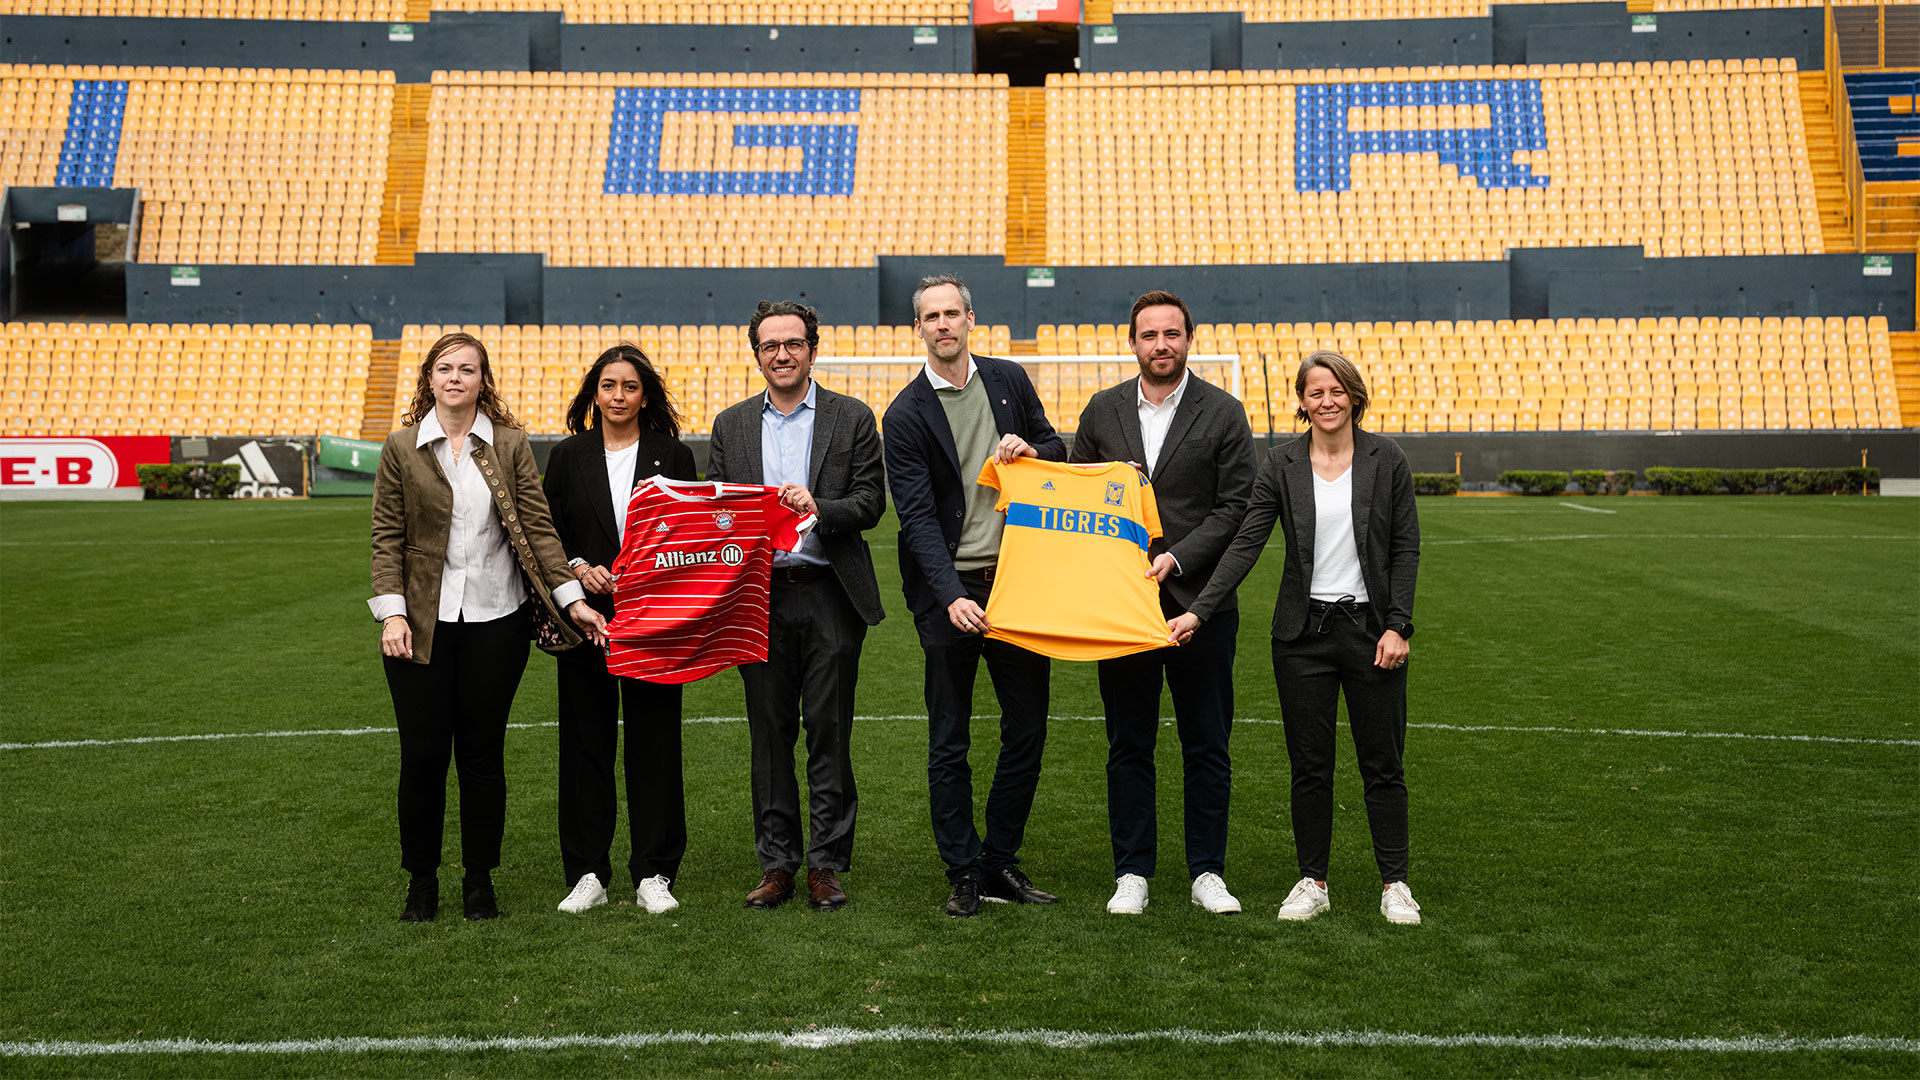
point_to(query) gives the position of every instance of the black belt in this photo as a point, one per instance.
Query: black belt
(984, 573)
(800, 572)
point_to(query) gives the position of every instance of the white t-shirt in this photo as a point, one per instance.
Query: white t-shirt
(620, 483)
(1336, 559)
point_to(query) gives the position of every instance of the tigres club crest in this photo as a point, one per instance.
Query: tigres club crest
(1116, 493)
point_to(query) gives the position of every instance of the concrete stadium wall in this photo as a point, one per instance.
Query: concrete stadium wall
(385, 297)
(596, 47)
(1533, 283)
(472, 42)
(1385, 43)
(1684, 35)
(478, 41)
(596, 296)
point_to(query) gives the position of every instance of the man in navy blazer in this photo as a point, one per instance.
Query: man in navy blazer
(960, 411)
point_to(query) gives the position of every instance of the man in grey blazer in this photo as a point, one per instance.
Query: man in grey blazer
(1193, 441)
(822, 450)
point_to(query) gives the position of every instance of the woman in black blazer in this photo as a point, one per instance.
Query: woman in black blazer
(633, 435)
(1344, 499)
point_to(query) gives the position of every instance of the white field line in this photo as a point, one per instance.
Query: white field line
(141, 740)
(1588, 509)
(1662, 536)
(1049, 1038)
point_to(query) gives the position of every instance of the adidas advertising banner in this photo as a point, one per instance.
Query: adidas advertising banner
(82, 467)
(271, 467)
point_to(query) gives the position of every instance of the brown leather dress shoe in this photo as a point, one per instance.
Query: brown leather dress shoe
(824, 892)
(775, 888)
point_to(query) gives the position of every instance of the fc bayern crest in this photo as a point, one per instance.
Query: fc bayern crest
(723, 519)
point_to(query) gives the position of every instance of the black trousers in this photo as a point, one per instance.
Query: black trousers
(1020, 680)
(1311, 672)
(591, 702)
(456, 708)
(1200, 676)
(813, 664)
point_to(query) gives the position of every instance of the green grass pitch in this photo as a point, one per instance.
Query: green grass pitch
(1581, 874)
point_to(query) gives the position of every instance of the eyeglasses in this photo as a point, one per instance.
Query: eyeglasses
(770, 349)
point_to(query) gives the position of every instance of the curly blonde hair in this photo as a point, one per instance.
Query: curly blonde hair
(490, 401)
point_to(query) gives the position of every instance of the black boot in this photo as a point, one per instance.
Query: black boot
(423, 899)
(477, 896)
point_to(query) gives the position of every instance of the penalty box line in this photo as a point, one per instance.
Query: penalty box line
(833, 1038)
(1540, 729)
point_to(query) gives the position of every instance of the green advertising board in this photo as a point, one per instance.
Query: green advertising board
(349, 455)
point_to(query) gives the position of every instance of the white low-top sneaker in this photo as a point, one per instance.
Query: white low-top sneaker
(654, 896)
(1129, 895)
(1396, 903)
(1211, 893)
(587, 893)
(1309, 898)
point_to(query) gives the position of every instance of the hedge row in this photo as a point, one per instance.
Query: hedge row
(1747, 481)
(1436, 483)
(188, 481)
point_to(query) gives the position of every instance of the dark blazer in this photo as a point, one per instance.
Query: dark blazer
(930, 483)
(1386, 532)
(583, 510)
(413, 514)
(845, 475)
(1201, 482)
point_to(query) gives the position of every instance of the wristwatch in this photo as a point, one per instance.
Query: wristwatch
(576, 563)
(1404, 629)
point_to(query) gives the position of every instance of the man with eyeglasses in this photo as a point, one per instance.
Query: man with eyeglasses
(821, 449)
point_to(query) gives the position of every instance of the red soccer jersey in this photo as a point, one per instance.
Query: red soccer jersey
(690, 585)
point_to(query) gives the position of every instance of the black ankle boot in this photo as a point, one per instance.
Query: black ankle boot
(423, 899)
(477, 896)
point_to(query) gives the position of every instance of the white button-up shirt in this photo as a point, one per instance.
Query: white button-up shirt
(1156, 419)
(479, 580)
(934, 380)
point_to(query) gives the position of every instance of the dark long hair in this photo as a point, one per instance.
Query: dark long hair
(489, 399)
(658, 414)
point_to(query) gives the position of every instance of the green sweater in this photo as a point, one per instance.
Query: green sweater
(975, 435)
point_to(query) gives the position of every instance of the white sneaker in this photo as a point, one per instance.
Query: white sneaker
(1211, 893)
(587, 893)
(1309, 898)
(653, 895)
(1396, 903)
(1129, 895)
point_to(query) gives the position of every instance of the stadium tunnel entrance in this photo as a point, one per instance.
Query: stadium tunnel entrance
(1026, 52)
(66, 252)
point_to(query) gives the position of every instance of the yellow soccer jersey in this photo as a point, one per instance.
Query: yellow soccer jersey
(1071, 582)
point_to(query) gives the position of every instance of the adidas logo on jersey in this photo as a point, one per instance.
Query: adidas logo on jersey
(662, 527)
(1048, 486)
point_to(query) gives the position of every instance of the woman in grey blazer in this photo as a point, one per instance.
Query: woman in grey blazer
(466, 570)
(1344, 500)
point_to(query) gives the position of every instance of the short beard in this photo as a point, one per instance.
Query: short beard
(1147, 376)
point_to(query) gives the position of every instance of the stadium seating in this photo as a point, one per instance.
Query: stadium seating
(1435, 164)
(736, 12)
(316, 10)
(707, 368)
(1664, 374)
(234, 165)
(716, 170)
(136, 379)
(1886, 124)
